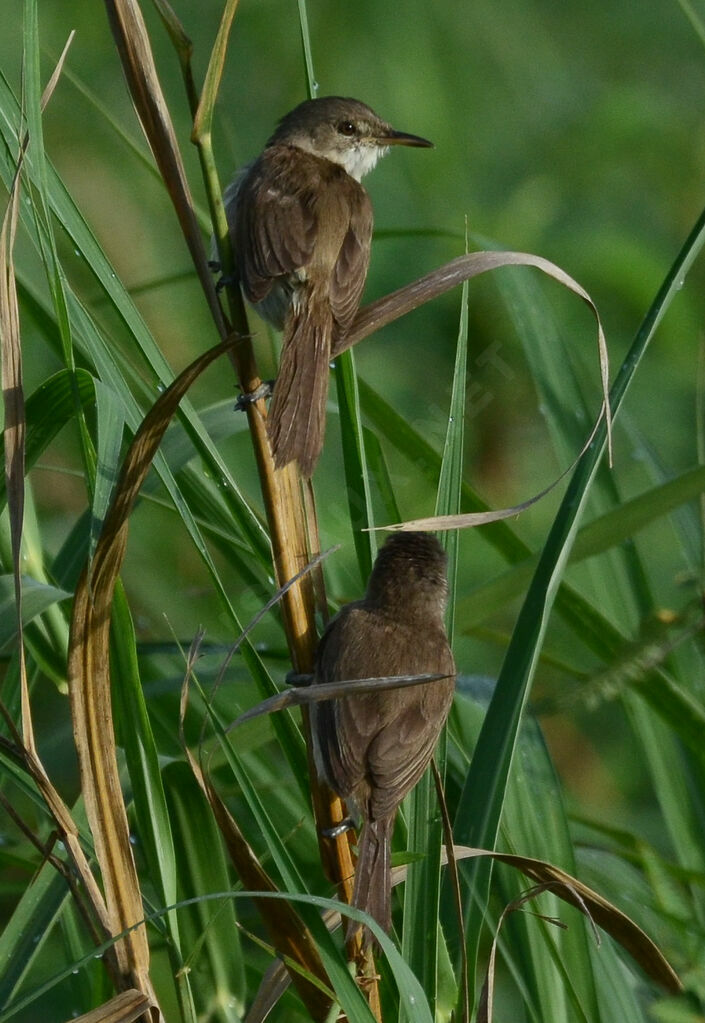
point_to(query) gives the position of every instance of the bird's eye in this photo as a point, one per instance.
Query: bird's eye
(346, 128)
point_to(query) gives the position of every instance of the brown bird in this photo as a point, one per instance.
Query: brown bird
(373, 748)
(301, 225)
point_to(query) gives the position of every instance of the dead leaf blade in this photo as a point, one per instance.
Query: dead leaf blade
(385, 310)
(124, 1008)
(607, 916)
(89, 687)
(56, 74)
(134, 49)
(303, 695)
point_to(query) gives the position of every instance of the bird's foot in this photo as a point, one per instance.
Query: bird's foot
(294, 678)
(347, 824)
(215, 266)
(225, 281)
(263, 391)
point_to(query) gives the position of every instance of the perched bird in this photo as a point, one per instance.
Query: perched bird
(301, 225)
(373, 748)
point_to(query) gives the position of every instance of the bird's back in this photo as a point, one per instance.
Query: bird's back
(374, 747)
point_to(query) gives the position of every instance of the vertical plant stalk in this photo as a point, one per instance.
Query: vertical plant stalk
(132, 42)
(281, 489)
(420, 937)
(289, 501)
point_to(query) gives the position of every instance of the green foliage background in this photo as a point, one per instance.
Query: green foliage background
(567, 130)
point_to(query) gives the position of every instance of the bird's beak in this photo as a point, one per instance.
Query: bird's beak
(402, 138)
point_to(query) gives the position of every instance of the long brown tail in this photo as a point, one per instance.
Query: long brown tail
(373, 874)
(297, 415)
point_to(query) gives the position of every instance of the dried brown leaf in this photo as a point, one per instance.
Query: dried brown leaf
(56, 74)
(598, 909)
(174, 26)
(485, 1009)
(467, 520)
(271, 988)
(89, 687)
(385, 310)
(303, 695)
(123, 1008)
(132, 41)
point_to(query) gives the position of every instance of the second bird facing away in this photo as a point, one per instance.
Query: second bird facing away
(373, 748)
(301, 225)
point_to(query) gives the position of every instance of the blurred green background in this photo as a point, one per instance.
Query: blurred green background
(569, 130)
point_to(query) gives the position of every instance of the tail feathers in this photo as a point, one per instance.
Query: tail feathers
(297, 415)
(373, 875)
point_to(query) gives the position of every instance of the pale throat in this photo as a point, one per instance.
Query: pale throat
(358, 159)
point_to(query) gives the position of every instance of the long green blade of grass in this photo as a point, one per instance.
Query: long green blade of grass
(215, 962)
(533, 826)
(627, 596)
(37, 597)
(135, 731)
(47, 410)
(354, 460)
(28, 928)
(423, 883)
(45, 228)
(109, 426)
(482, 798)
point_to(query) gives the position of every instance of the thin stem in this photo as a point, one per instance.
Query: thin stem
(289, 506)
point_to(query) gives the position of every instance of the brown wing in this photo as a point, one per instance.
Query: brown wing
(274, 222)
(343, 762)
(400, 753)
(350, 273)
(374, 747)
(278, 206)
